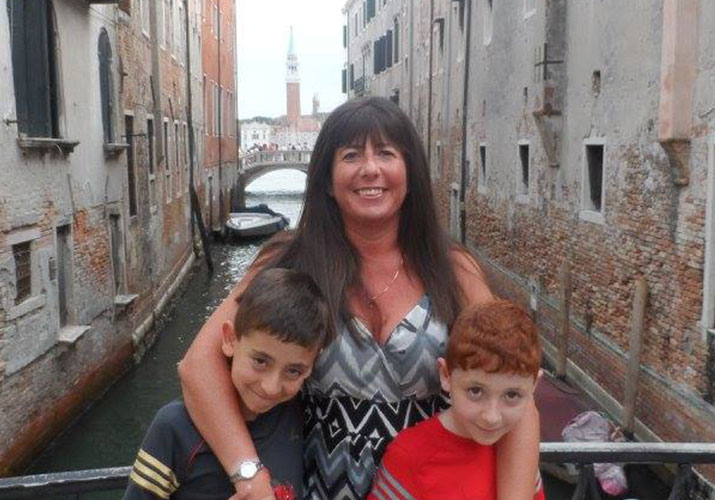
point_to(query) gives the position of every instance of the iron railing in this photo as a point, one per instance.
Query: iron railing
(583, 455)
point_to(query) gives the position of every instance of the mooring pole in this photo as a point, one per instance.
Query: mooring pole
(564, 318)
(640, 297)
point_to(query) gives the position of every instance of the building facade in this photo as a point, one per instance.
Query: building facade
(95, 221)
(220, 152)
(574, 139)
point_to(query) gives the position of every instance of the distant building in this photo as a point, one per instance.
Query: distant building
(256, 135)
(220, 151)
(95, 225)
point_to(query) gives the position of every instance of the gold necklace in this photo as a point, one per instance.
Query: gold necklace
(371, 300)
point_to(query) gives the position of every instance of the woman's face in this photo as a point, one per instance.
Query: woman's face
(369, 184)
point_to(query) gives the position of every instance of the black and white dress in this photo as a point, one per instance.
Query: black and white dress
(361, 394)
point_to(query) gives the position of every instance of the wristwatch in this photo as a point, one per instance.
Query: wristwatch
(247, 469)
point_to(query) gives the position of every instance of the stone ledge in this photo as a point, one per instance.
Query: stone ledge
(123, 301)
(26, 306)
(44, 144)
(114, 149)
(69, 335)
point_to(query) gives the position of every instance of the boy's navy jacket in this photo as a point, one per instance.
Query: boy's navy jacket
(175, 462)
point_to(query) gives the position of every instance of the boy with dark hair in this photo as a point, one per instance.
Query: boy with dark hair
(281, 324)
(490, 371)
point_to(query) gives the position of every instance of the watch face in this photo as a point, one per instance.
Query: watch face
(248, 469)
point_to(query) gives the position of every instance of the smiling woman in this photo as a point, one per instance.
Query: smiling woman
(370, 238)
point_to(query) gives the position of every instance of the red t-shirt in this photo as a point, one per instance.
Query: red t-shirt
(429, 462)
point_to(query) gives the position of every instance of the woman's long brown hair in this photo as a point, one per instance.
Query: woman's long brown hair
(319, 246)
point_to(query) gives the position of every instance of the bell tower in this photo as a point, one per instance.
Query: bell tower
(292, 85)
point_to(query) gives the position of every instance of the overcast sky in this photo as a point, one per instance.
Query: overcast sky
(262, 38)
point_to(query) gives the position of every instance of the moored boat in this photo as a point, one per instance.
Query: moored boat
(253, 222)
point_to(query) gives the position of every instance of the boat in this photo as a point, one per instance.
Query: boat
(255, 222)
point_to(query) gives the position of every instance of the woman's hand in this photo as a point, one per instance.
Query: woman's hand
(257, 488)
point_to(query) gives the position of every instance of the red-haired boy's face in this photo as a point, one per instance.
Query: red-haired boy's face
(485, 406)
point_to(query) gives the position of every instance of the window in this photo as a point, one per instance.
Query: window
(177, 157)
(168, 24)
(396, 48)
(150, 160)
(150, 144)
(523, 177)
(131, 173)
(482, 179)
(592, 191)
(105, 85)
(167, 163)
(345, 36)
(34, 67)
(217, 110)
(460, 14)
(370, 10)
(215, 20)
(21, 252)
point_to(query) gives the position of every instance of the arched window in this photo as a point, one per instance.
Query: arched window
(105, 84)
(34, 67)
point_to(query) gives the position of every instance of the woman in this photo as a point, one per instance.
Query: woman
(370, 238)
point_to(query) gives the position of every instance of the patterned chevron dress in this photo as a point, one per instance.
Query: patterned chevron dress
(361, 395)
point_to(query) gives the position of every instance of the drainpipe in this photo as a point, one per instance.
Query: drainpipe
(429, 82)
(220, 120)
(465, 109)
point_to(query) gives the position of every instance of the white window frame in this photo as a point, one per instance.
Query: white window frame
(587, 213)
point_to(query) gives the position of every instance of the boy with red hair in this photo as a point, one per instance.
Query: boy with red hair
(490, 371)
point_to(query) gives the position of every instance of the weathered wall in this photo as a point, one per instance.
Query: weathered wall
(602, 87)
(49, 371)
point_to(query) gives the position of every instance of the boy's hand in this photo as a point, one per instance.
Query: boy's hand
(258, 488)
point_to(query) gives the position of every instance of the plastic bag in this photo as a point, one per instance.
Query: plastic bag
(592, 426)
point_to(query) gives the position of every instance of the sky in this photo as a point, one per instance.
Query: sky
(262, 38)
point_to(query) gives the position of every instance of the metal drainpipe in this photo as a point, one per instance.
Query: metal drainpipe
(465, 104)
(429, 82)
(220, 119)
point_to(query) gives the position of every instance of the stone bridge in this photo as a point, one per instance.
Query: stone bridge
(254, 165)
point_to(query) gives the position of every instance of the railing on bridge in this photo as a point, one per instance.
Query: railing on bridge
(278, 157)
(584, 455)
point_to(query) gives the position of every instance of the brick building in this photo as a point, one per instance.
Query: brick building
(220, 151)
(576, 133)
(95, 231)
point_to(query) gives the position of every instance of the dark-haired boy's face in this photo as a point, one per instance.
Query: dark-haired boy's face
(485, 406)
(369, 183)
(265, 370)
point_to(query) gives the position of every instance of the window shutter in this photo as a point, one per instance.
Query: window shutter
(32, 68)
(388, 50)
(370, 9)
(105, 84)
(345, 81)
(376, 57)
(352, 76)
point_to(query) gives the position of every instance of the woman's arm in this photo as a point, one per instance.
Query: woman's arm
(212, 400)
(518, 451)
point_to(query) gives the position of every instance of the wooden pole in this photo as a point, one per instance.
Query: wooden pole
(640, 298)
(564, 318)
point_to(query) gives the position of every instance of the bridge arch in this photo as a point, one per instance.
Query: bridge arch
(257, 164)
